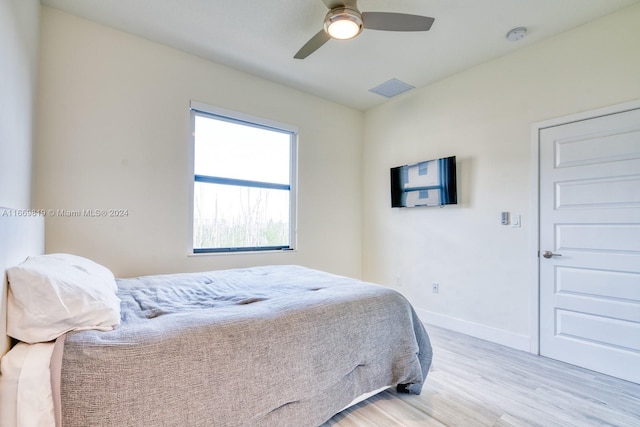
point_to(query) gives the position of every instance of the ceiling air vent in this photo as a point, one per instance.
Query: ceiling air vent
(391, 88)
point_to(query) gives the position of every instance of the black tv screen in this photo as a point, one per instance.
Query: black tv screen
(429, 183)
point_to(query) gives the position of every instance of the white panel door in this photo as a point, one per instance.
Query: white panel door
(590, 231)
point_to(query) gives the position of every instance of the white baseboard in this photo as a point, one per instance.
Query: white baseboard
(498, 336)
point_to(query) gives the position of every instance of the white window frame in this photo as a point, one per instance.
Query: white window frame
(234, 116)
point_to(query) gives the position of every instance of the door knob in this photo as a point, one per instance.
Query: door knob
(549, 254)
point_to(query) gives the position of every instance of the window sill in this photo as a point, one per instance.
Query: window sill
(250, 252)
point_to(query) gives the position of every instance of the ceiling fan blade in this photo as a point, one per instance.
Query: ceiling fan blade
(389, 21)
(312, 45)
(332, 4)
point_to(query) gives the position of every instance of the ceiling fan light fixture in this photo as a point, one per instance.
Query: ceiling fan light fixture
(343, 23)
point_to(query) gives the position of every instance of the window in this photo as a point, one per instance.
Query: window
(244, 182)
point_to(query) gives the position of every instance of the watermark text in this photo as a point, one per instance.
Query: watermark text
(65, 213)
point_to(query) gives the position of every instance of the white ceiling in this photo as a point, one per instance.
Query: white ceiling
(261, 37)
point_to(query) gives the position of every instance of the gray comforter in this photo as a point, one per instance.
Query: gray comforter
(263, 346)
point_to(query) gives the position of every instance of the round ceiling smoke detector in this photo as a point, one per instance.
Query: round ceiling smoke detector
(516, 34)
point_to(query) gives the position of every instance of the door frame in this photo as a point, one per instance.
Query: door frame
(534, 242)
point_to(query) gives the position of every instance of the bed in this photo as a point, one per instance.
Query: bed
(260, 346)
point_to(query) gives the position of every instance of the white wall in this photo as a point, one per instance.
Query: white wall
(114, 133)
(19, 26)
(484, 117)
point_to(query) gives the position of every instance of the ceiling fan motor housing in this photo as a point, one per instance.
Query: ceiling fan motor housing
(343, 23)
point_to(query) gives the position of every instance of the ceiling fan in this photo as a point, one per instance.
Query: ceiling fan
(344, 21)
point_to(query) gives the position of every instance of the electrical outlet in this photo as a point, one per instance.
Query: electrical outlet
(398, 282)
(435, 287)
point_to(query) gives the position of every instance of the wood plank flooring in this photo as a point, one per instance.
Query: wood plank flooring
(478, 383)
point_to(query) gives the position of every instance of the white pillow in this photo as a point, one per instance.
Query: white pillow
(53, 294)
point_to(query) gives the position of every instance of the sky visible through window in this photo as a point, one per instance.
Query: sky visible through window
(233, 150)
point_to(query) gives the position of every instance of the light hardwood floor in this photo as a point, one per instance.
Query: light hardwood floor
(477, 383)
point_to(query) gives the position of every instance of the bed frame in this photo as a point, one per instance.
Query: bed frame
(20, 237)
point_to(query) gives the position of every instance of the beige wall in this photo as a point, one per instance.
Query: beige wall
(114, 133)
(19, 23)
(484, 116)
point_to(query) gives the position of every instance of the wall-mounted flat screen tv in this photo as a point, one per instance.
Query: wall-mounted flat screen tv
(429, 183)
